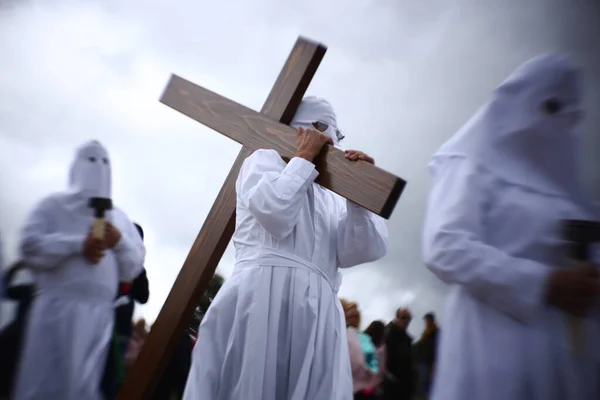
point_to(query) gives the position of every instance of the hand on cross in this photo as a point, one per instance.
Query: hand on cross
(310, 142)
(355, 155)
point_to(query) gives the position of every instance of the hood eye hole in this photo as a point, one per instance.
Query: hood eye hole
(321, 126)
(552, 106)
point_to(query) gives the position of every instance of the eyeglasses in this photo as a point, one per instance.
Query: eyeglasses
(322, 126)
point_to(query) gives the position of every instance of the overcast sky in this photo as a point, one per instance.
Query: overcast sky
(403, 75)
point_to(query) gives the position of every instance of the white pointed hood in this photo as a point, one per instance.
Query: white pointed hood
(314, 109)
(528, 133)
(90, 173)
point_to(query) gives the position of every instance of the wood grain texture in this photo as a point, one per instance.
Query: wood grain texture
(360, 182)
(293, 80)
(215, 234)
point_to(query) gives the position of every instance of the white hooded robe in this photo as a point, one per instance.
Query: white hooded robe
(501, 186)
(276, 329)
(71, 321)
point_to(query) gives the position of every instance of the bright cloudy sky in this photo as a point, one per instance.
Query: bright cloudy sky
(403, 75)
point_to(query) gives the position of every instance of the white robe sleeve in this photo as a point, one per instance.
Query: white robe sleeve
(130, 252)
(273, 192)
(455, 251)
(41, 246)
(362, 236)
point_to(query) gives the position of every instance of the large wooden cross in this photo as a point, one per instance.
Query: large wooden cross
(360, 182)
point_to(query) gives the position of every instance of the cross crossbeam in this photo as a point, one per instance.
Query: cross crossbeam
(363, 183)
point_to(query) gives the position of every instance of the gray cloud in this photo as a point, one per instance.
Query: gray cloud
(402, 75)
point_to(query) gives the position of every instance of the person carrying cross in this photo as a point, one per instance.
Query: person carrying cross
(276, 329)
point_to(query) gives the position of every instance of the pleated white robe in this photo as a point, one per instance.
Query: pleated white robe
(70, 323)
(276, 329)
(497, 243)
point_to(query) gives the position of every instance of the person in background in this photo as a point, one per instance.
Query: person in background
(172, 383)
(22, 293)
(502, 185)
(138, 336)
(70, 324)
(427, 348)
(11, 336)
(129, 293)
(363, 355)
(376, 330)
(399, 376)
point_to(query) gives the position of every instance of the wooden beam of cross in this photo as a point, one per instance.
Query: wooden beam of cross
(360, 182)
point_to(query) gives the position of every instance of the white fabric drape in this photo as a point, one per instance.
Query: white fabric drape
(276, 329)
(501, 187)
(70, 322)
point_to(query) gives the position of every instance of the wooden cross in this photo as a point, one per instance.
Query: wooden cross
(360, 182)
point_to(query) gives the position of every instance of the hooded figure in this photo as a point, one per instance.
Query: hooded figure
(276, 329)
(502, 185)
(71, 320)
